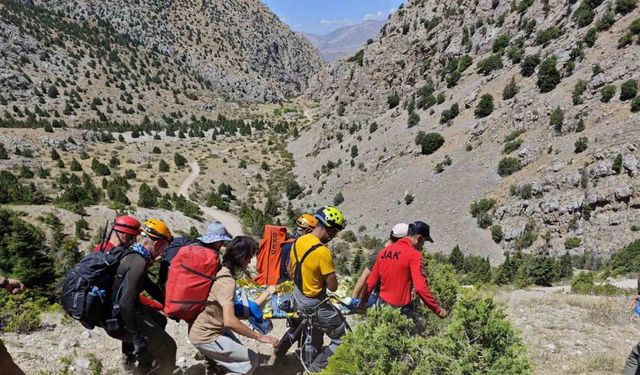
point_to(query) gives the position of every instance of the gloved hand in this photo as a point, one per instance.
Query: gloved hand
(355, 302)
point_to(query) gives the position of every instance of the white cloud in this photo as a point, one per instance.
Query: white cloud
(375, 16)
(343, 21)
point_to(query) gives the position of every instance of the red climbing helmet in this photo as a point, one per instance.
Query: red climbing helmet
(126, 224)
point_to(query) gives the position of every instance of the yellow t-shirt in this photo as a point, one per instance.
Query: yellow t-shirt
(315, 267)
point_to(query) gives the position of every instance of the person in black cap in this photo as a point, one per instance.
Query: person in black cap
(398, 268)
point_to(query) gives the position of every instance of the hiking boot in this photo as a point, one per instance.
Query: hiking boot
(128, 362)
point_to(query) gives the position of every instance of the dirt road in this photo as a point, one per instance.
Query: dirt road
(230, 221)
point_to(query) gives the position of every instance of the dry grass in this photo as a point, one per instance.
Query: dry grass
(572, 334)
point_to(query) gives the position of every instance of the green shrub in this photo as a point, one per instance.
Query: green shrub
(373, 127)
(509, 147)
(413, 120)
(607, 92)
(146, 197)
(523, 5)
(449, 114)
(408, 199)
(156, 150)
(513, 135)
(584, 283)
(626, 259)
(429, 143)
(557, 119)
(293, 189)
(465, 62)
(635, 104)
(338, 199)
(484, 107)
(634, 28)
(162, 183)
(529, 64)
(583, 16)
(75, 166)
(515, 54)
(578, 89)
(163, 166)
(489, 64)
(629, 90)
(625, 6)
(617, 164)
(179, 160)
(590, 37)
(496, 348)
(606, 21)
(357, 58)
(509, 166)
(510, 90)
(547, 35)
(481, 206)
(548, 75)
(456, 259)
(572, 243)
(393, 100)
(21, 314)
(496, 233)
(580, 145)
(625, 40)
(501, 42)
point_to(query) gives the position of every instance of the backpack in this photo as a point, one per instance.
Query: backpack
(86, 292)
(269, 254)
(176, 244)
(297, 271)
(193, 270)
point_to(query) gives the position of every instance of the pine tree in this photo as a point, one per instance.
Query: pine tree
(163, 166)
(456, 258)
(146, 198)
(75, 166)
(357, 263)
(179, 160)
(565, 266)
(485, 106)
(548, 75)
(510, 90)
(54, 154)
(4, 155)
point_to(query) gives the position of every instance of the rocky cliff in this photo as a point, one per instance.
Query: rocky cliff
(188, 54)
(534, 101)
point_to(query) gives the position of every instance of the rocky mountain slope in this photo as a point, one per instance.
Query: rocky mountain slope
(534, 101)
(121, 60)
(345, 41)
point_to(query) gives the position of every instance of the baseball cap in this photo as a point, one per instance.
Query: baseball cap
(420, 228)
(399, 230)
(215, 232)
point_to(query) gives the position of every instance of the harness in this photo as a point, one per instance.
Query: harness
(297, 272)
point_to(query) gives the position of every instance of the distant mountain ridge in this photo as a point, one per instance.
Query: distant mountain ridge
(346, 40)
(240, 48)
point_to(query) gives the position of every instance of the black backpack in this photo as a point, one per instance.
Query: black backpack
(86, 293)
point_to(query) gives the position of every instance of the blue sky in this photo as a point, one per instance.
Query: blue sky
(323, 16)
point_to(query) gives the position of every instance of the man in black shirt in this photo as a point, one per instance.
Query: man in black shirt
(154, 349)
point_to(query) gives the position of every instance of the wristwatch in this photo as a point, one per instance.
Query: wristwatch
(4, 283)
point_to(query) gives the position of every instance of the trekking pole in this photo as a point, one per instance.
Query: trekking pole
(103, 240)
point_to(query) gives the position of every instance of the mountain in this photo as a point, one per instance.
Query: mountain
(346, 40)
(163, 56)
(534, 103)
